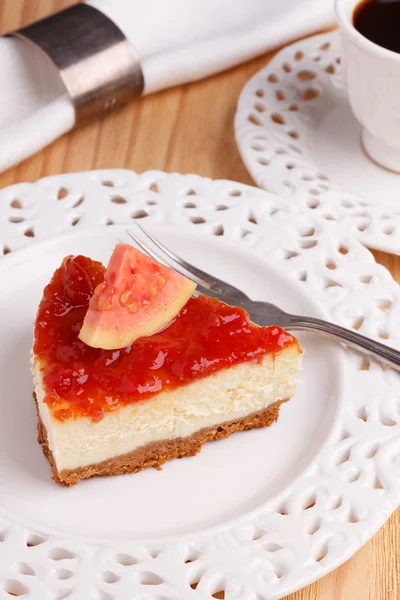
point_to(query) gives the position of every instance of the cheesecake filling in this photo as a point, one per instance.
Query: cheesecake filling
(226, 395)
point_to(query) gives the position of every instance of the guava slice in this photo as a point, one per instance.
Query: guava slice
(138, 297)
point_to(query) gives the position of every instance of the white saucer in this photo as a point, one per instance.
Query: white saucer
(298, 137)
(260, 514)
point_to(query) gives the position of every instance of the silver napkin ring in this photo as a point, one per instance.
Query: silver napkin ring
(97, 63)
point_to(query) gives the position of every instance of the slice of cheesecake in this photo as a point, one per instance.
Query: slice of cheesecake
(211, 372)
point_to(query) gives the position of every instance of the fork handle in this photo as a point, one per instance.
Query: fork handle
(383, 353)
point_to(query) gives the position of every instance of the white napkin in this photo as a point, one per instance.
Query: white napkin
(177, 41)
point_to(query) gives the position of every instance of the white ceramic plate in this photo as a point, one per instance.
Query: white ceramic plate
(262, 513)
(230, 479)
(298, 138)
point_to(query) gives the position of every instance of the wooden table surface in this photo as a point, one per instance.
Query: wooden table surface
(189, 129)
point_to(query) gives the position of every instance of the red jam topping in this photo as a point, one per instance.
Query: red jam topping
(205, 337)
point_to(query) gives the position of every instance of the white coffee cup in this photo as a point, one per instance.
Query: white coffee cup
(372, 78)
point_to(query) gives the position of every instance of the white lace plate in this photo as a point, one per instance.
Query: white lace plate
(298, 138)
(256, 516)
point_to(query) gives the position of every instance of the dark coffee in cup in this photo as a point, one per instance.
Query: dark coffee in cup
(379, 22)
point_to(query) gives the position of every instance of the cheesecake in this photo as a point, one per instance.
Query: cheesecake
(207, 374)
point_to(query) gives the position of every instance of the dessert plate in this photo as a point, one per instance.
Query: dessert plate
(298, 138)
(260, 514)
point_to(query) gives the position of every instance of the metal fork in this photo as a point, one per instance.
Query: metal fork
(262, 313)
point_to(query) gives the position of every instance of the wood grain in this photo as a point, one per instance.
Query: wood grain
(190, 129)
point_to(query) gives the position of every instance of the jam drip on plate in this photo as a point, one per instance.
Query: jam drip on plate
(205, 337)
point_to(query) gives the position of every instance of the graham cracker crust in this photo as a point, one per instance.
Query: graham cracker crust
(156, 454)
